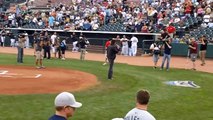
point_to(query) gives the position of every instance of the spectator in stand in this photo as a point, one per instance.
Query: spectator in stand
(200, 11)
(144, 28)
(51, 22)
(171, 30)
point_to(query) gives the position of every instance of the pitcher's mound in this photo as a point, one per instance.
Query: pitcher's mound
(29, 80)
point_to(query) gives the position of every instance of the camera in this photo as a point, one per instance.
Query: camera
(187, 42)
(21, 35)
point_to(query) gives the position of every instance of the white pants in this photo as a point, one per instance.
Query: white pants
(124, 50)
(134, 50)
(12, 42)
(53, 49)
(27, 43)
(2, 40)
(75, 48)
(130, 52)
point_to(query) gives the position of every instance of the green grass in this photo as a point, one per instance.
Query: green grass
(115, 98)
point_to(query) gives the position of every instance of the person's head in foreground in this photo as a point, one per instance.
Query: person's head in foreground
(140, 111)
(142, 99)
(65, 105)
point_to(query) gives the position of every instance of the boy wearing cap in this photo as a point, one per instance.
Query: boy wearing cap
(65, 105)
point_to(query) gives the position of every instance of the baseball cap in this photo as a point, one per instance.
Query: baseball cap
(66, 99)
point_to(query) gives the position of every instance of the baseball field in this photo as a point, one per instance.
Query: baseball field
(27, 93)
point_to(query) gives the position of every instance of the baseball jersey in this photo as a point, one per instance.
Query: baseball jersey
(134, 41)
(137, 114)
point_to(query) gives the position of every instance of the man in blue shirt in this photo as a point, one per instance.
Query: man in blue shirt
(65, 105)
(167, 54)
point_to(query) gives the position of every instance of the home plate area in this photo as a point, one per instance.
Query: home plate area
(28, 80)
(8, 74)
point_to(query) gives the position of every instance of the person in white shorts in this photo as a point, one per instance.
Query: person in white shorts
(156, 52)
(39, 54)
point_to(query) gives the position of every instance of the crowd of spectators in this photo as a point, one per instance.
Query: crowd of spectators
(137, 16)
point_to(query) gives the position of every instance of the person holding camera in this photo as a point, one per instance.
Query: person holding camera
(112, 50)
(203, 48)
(20, 47)
(193, 52)
(74, 42)
(167, 53)
(82, 44)
(155, 47)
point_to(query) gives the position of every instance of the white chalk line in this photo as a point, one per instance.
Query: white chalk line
(38, 75)
(7, 76)
(4, 73)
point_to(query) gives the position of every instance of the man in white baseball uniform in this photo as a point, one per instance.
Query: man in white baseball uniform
(134, 45)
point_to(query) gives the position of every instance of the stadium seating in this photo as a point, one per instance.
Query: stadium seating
(200, 31)
(113, 27)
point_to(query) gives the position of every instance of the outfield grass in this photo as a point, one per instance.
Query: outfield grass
(115, 98)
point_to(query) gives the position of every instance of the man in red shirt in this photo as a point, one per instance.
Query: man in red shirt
(171, 30)
(107, 44)
(193, 52)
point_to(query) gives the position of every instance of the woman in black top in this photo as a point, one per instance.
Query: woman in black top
(203, 48)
